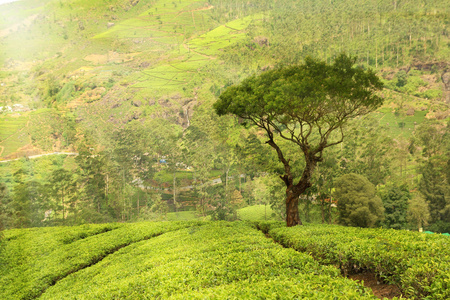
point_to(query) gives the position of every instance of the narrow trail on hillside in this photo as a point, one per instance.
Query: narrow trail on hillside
(186, 46)
(37, 156)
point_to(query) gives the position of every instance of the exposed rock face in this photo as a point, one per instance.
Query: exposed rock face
(188, 110)
(81, 25)
(178, 109)
(446, 80)
(262, 41)
(164, 102)
(410, 112)
(132, 116)
(144, 64)
(136, 103)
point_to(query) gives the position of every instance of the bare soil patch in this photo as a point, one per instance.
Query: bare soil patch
(380, 290)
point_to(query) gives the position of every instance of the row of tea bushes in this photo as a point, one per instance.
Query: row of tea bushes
(218, 260)
(31, 260)
(418, 263)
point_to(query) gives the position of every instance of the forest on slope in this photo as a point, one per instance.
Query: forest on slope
(129, 85)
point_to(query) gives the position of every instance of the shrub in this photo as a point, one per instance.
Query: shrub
(358, 204)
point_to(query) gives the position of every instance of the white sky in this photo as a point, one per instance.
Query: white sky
(6, 1)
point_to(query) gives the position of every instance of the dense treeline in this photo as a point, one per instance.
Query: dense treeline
(153, 170)
(382, 34)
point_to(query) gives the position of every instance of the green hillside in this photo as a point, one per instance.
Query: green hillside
(112, 63)
(220, 260)
(118, 96)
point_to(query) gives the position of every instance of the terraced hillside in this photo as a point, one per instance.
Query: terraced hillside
(111, 63)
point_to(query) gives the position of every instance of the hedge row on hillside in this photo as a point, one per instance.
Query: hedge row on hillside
(218, 260)
(418, 263)
(34, 259)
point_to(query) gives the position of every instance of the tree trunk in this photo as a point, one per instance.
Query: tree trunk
(226, 184)
(293, 191)
(322, 209)
(138, 204)
(329, 211)
(329, 207)
(174, 192)
(240, 188)
(292, 216)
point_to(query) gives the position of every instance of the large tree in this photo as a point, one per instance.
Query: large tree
(306, 104)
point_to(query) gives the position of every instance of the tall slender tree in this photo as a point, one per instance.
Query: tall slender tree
(306, 104)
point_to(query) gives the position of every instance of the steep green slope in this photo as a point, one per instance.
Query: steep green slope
(129, 84)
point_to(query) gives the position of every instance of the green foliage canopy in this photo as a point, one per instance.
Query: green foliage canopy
(310, 96)
(395, 201)
(358, 203)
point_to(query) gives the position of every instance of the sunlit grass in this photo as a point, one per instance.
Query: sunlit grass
(256, 213)
(182, 216)
(401, 125)
(12, 133)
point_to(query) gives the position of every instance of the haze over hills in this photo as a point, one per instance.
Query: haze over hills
(131, 84)
(111, 63)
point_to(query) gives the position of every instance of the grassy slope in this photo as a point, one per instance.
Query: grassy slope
(256, 213)
(249, 213)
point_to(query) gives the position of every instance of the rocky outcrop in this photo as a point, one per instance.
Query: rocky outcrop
(136, 103)
(261, 41)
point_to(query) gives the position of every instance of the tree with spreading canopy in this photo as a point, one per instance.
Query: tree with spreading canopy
(306, 104)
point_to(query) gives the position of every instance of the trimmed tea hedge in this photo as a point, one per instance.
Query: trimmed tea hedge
(418, 263)
(218, 260)
(34, 259)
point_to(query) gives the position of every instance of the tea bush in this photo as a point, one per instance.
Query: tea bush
(37, 258)
(218, 260)
(418, 263)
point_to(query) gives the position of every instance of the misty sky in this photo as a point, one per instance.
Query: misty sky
(6, 1)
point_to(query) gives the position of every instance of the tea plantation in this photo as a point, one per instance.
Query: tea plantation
(217, 260)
